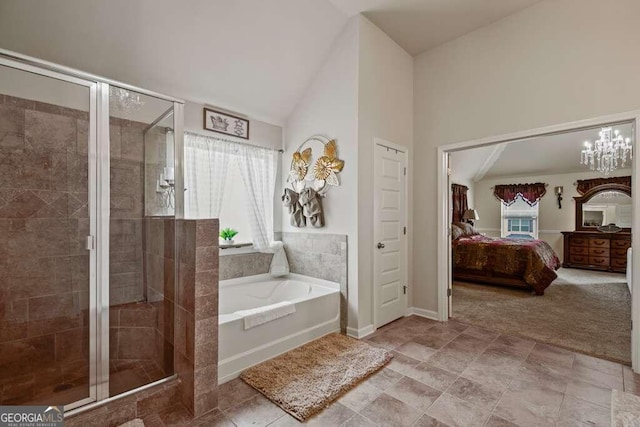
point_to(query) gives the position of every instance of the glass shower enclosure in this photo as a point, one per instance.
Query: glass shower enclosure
(87, 236)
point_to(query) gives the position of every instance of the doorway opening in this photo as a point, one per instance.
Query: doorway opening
(523, 186)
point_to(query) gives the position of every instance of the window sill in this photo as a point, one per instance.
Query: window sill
(240, 248)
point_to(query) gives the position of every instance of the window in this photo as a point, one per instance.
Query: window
(233, 212)
(520, 224)
(519, 220)
(233, 182)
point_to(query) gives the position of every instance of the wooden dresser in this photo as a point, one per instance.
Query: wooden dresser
(596, 251)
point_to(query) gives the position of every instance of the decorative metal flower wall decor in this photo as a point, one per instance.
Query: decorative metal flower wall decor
(325, 168)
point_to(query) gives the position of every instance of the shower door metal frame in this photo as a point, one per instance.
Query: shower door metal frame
(99, 208)
(93, 211)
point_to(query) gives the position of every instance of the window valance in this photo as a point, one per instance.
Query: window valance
(530, 193)
(584, 185)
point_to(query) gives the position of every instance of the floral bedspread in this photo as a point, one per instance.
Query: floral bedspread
(532, 260)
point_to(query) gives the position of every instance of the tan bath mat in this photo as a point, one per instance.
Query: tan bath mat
(307, 379)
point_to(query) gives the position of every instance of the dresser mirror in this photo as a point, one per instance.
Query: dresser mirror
(603, 205)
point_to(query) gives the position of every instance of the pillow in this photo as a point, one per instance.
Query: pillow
(456, 232)
(467, 229)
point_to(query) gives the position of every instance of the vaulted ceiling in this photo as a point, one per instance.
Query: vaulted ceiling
(419, 25)
(547, 155)
(255, 57)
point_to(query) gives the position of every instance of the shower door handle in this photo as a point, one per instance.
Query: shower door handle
(89, 244)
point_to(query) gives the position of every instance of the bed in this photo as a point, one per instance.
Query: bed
(524, 263)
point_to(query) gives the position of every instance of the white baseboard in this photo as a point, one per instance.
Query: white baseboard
(429, 314)
(362, 332)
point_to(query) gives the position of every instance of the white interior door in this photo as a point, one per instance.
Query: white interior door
(390, 259)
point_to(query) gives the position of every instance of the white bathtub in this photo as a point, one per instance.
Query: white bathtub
(317, 313)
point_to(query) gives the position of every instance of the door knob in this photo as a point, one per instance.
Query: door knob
(380, 245)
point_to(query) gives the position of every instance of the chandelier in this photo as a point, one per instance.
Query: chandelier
(124, 101)
(609, 151)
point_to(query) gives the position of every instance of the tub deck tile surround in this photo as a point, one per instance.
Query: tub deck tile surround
(243, 265)
(320, 255)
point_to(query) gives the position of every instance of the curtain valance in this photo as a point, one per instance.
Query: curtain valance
(530, 193)
(585, 185)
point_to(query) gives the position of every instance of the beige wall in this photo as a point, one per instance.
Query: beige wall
(364, 91)
(330, 107)
(262, 134)
(535, 68)
(551, 220)
(385, 110)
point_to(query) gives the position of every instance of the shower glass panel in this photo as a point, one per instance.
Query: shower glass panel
(47, 339)
(142, 238)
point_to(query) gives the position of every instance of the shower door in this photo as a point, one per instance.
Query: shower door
(48, 199)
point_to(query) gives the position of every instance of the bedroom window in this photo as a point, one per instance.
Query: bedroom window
(519, 220)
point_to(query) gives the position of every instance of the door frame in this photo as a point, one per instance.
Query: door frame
(444, 242)
(405, 151)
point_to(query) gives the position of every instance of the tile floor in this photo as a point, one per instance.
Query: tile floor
(448, 374)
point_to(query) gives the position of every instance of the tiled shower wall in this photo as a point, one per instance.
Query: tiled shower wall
(320, 255)
(44, 279)
(155, 161)
(159, 278)
(127, 200)
(43, 263)
(196, 346)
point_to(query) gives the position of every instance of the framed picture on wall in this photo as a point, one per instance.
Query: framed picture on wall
(220, 122)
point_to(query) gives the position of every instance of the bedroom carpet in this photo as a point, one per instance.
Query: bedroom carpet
(307, 379)
(587, 312)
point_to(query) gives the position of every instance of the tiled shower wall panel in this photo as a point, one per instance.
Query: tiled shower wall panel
(155, 152)
(159, 279)
(127, 200)
(44, 266)
(43, 223)
(320, 255)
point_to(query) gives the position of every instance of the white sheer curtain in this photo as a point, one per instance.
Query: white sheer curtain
(258, 168)
(206, 165)
(206, 162)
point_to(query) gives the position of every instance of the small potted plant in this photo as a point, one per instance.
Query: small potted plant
(228, 234)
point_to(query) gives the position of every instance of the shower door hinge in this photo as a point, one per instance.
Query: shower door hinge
(89, 244)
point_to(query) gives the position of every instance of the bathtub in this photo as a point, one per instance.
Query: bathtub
(317, 304)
